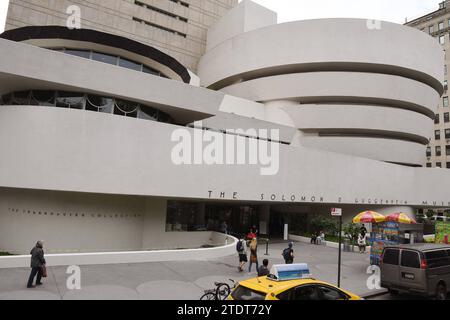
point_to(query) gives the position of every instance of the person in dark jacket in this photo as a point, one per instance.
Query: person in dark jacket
(37, 262)
(264, 269)
(288, 254)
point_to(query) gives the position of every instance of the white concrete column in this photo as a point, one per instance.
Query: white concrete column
(264, 219)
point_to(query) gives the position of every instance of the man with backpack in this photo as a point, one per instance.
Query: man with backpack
(288, 254)
(241, 248)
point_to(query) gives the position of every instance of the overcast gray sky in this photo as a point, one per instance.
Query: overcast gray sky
(388, 10)
(289, 10)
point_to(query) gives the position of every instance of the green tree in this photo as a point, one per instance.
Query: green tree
(430, 214)
(351, 232)
(320, 223)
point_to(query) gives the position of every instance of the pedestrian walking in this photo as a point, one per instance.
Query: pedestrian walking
(314, 238)
(264, 269)
(224, 227)
(241, 248)
(253, 255)
(37, 265)
(362, 244)
(288, 254)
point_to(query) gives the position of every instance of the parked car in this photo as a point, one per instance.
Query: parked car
(422, 269)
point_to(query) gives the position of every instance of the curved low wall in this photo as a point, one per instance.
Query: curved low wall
(79, 259)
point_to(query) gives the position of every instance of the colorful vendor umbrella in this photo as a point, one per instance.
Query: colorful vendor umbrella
(400, 217)
(369, 217)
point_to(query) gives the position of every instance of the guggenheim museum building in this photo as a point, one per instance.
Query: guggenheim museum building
(112, 143)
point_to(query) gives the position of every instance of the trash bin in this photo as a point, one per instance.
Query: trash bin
(347, 246)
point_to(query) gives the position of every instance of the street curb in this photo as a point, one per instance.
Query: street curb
(375, 294)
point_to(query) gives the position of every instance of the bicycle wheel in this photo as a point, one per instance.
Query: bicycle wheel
(223, 291)
(208, 296)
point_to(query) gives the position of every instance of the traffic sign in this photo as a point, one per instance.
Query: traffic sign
(336, 212)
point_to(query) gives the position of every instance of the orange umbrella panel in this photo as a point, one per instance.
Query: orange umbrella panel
(369, 217)
(400, 217)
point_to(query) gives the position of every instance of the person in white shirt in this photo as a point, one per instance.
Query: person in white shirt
(362, 243)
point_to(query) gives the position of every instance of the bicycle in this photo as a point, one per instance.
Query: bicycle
(222, 291)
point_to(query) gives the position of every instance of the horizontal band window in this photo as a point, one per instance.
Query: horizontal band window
(329, 67)
(184, 4)
(370, 133)
(149, 7)
(111, 59)
(160, 27)
(368, 101)
(84, 101)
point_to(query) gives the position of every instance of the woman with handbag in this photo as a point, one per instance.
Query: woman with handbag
(253, 254)
(37, 265)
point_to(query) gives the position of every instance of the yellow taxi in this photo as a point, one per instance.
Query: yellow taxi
(289, 282)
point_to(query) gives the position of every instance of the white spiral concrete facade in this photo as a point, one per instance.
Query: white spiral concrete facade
(354, 107)
(374, 99)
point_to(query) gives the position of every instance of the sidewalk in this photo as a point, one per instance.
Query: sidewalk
(179, 280)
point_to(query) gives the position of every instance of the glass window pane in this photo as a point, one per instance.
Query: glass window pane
(410, 259)
(148, 113)
(437, 135)
(21, 98)
(130, 64)
(150, 71)
(43, 98)
(391, 256)
(6, 99)
(79, 53)
(436, 259)
(99, 104)
(71, 100)
(438, 151)
(126, 108)
(243, 293)
(106, 58)
(306, 293)
(331, 294)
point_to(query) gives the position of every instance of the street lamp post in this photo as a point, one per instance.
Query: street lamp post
(337, 212)
(340, 251)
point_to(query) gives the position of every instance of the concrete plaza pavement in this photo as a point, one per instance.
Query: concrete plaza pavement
(179, 280)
